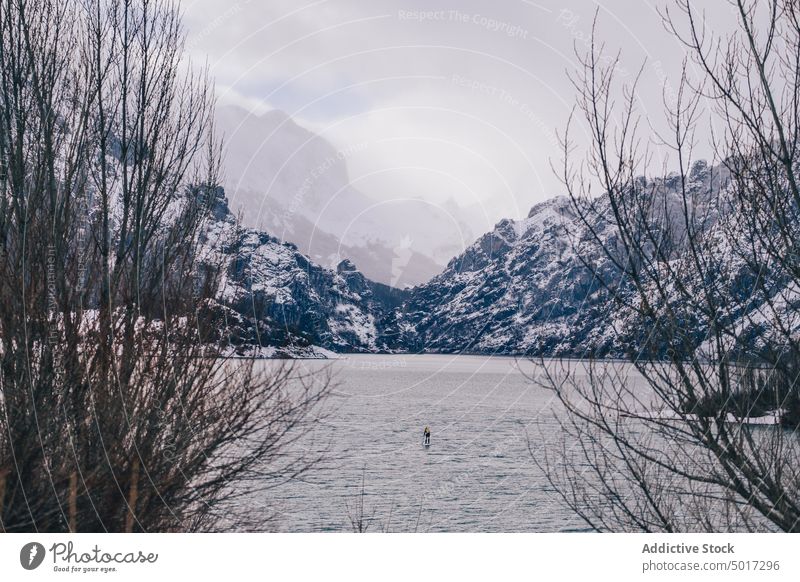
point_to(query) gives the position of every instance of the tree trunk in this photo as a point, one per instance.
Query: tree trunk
(133, 496)
(73, 502)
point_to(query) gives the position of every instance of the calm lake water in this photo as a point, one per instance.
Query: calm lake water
(478, 475)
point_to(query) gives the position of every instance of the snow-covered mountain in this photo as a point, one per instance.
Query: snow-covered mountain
(518, 289)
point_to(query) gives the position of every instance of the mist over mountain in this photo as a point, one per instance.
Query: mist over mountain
(295, 184)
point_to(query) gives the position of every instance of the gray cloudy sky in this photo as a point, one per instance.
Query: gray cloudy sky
(443, 99)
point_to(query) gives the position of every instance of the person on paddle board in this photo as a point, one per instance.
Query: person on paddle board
(426, 435)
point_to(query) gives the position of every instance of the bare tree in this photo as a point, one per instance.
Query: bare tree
(701, 269)
(116, 412)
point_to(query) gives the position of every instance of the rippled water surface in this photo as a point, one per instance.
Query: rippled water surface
(477, 476)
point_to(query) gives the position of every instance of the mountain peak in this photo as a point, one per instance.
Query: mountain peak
(346, 266)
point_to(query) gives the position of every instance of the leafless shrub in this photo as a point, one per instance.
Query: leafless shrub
(115, 413)
(703, 271)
